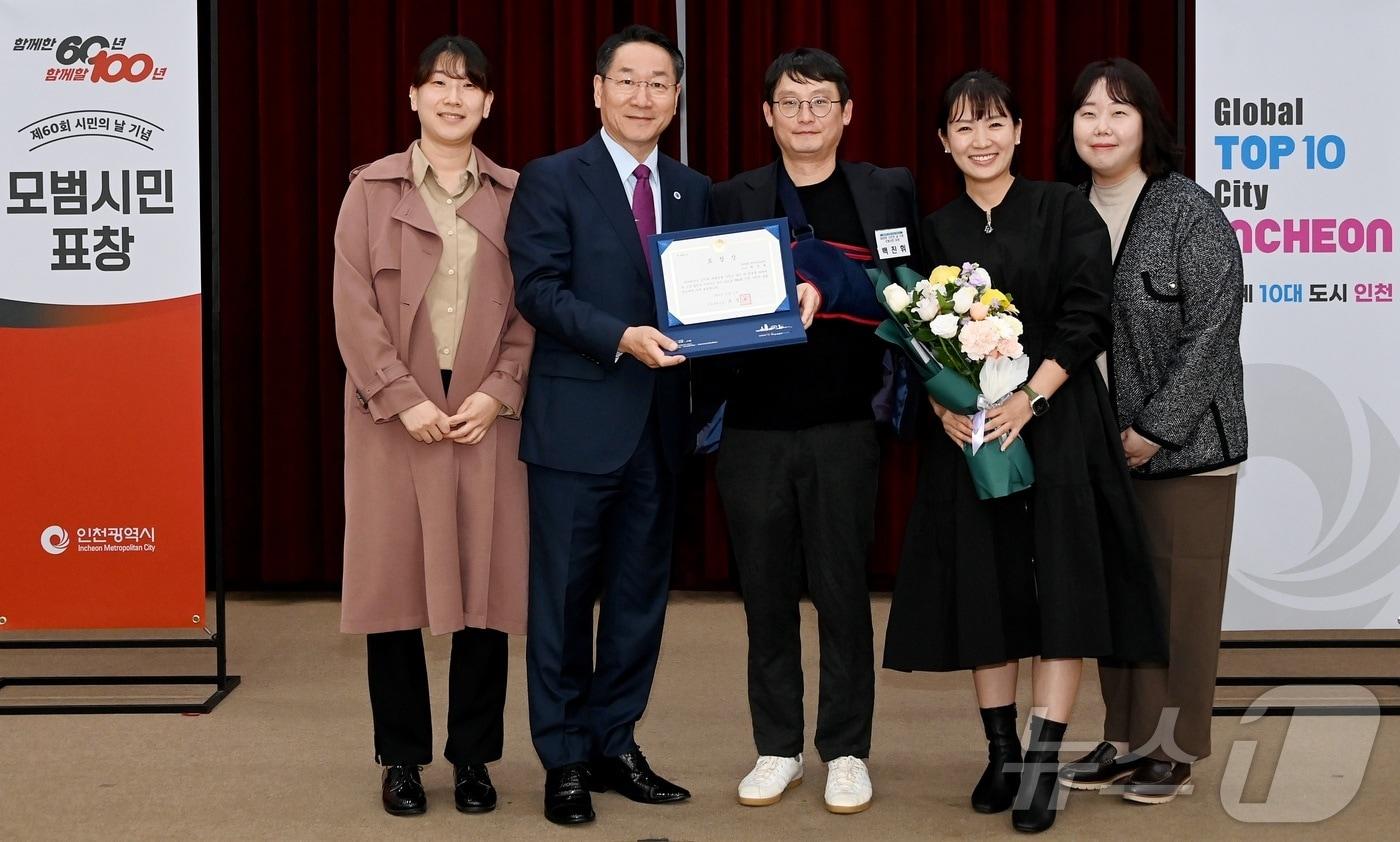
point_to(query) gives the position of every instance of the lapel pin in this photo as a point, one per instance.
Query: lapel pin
(676, 194)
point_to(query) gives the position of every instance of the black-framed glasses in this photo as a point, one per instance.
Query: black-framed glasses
(629, 86)
(791, 106)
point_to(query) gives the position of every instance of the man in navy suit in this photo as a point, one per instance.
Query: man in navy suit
(604, 427)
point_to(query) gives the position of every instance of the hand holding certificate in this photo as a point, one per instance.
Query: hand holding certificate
(725, 289)
(650, 347)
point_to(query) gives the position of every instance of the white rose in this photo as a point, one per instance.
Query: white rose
(963, 298)
(1009, 326)
(945, 326)
(927, 308)
(897, 298)
(924, 287)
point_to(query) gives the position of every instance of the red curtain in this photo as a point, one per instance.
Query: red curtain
(307, 91)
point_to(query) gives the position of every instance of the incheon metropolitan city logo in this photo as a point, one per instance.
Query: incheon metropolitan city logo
(54, 540)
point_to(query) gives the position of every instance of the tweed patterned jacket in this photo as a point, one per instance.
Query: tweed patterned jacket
(1175, 371)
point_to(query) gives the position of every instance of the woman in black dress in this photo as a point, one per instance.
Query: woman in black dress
(1056, 573)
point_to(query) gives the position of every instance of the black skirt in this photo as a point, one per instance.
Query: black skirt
(1058, 570)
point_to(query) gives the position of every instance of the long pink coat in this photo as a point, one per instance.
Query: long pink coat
(436, 535)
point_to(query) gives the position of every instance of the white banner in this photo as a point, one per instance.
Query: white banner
(101, 151)
(1297, 137)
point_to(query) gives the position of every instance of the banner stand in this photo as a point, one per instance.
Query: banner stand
(222, 681)
(1282, 644)
(1392, 709)
(217, 640)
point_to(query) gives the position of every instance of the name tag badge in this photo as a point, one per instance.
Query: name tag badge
(892, 242)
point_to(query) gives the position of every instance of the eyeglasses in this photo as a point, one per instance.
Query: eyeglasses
(790, 107)
(629, 86)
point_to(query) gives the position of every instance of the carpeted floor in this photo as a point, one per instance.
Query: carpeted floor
(288, 755)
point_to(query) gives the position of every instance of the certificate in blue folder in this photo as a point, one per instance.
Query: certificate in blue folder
(727, 288)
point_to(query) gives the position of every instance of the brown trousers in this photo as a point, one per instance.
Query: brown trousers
(1165, 711)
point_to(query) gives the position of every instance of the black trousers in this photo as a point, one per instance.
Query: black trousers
(803, 501)
(476, 697)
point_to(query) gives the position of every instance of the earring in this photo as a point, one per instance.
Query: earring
(947, 151)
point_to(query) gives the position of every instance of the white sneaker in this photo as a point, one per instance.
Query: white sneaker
(770, 778)
(848, 787)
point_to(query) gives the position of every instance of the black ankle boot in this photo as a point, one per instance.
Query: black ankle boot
(997, 787)
(1037, 799)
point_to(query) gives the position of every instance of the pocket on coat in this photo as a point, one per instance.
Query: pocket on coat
(1161, 285)
(565, 365)
(354, 402)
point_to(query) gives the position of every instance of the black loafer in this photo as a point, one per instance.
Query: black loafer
(566, 798)
(403, 791)
(1100, 768)
(1158, 782)
(472, 789)
(630, 775)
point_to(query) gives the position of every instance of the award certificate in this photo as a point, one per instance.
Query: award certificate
(725, 289)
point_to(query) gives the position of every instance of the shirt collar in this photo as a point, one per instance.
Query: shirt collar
(421, 168)
(624, 161)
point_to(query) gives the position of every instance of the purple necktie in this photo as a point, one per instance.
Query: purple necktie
(643, 206)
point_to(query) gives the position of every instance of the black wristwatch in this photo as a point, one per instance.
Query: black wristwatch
(1039, 403)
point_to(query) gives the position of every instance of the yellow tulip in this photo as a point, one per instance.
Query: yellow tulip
(944, 275)
(993, 297)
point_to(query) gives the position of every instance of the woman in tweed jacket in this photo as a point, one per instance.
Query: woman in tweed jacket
(1177, 384)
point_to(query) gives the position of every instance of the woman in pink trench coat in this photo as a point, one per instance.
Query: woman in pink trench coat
(436, 525)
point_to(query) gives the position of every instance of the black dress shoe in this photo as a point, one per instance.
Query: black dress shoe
(403, 791)
(631, 776)
(1101, 768)
(566, 798)
(1038, 800)
(996, 790)
(1157, 782)
(471, 787)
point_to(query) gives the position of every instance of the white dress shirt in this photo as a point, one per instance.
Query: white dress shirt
(625, 164)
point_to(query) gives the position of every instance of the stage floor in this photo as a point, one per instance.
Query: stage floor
(289, 755)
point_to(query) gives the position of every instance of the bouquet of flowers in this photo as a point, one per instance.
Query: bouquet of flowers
(964, 339)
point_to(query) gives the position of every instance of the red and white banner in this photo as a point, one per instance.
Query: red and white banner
(101, 433)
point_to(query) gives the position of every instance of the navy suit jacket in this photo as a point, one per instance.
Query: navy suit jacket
(581, 279)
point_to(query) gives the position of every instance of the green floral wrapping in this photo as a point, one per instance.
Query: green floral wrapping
(995, 472)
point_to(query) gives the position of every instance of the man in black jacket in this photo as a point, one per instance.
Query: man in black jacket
(799, 460)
